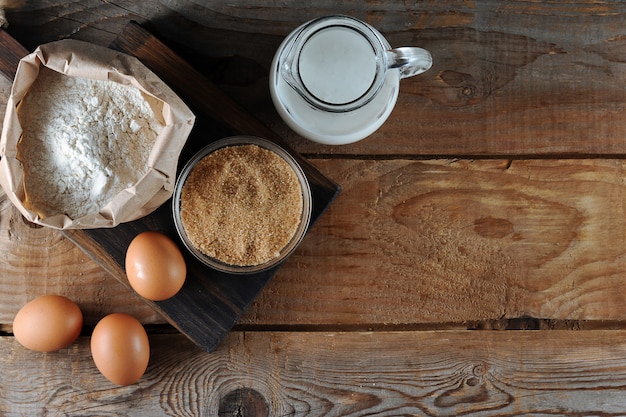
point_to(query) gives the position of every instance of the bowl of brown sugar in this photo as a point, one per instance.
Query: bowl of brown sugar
(242, 205)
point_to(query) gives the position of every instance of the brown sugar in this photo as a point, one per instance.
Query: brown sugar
(241, 205)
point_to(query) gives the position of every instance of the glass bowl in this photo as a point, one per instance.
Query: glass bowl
(300, 231)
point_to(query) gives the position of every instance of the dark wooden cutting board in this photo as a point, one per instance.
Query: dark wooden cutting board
(210, 302)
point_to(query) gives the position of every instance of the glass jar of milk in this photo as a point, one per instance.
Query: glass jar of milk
(335, 79)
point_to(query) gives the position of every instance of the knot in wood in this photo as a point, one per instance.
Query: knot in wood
(473, 381)
(243, 402)
(469, 91)
(480, 369)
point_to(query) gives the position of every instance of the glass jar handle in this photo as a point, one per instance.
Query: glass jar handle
(409, 60)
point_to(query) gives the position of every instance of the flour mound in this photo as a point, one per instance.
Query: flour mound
(83, 142)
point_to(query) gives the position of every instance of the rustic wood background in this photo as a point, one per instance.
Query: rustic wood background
(473, 264)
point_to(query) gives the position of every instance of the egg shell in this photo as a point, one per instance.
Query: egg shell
(120, 348)
(48, 323)
(155, 267)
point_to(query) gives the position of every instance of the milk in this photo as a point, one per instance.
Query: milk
(329, 80)
(337, 65)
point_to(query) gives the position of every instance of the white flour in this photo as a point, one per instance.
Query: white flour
(84, 141)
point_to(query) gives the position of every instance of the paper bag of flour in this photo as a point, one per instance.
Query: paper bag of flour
(91, 137)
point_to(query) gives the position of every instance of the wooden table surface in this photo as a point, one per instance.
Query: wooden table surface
(472, 265)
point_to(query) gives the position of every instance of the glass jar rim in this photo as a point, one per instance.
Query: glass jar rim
(291, 56)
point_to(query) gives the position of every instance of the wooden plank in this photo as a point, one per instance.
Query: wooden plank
(509, 78)
(477, 373)
(456, 240)
(558, 269)
(12, 51)
(415, 242)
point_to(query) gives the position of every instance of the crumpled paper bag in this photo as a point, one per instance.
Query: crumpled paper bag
(82, 59)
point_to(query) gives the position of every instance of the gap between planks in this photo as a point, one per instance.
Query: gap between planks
(451, 157)
(522, 323)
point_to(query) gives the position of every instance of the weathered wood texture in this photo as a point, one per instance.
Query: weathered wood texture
(437, 241)
(497, 243)
(474, 373)
(508, 78)
(422, 242)
(494, 191)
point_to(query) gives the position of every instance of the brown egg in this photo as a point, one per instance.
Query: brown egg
(120, 348)
(48, 323)
(155, 266)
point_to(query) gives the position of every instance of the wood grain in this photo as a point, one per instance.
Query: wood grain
(454, 240)
(495, 191)
(478, 373)
(523, 78)
(415, 242)
(14, 52)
